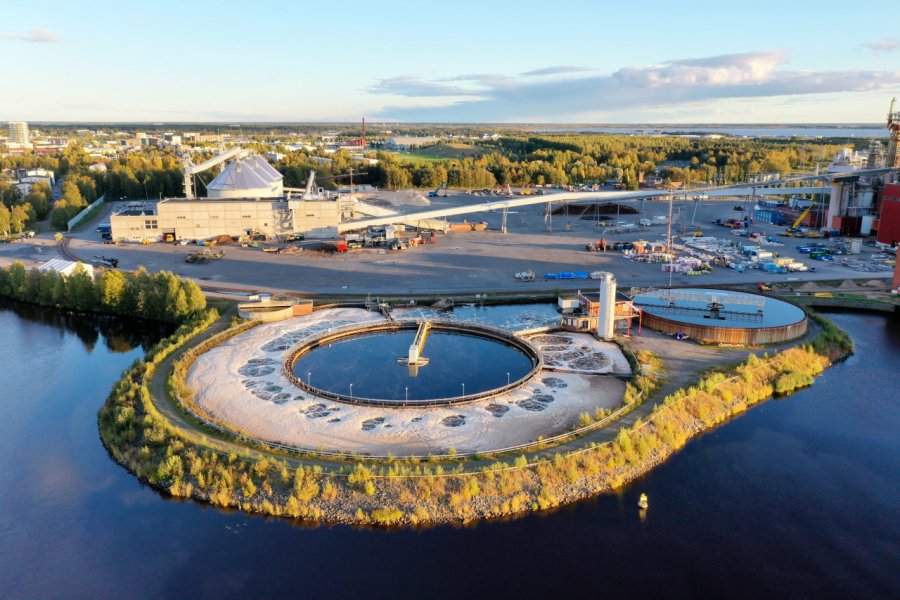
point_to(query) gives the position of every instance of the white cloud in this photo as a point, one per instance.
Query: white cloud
(408, 85)
(884, 46)
(558, 70)
(34, 36)
(672, 83)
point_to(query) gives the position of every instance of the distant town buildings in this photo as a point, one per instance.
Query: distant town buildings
(18, 133)
(25, 179)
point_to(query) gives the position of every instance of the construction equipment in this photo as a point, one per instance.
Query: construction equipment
(525, 276)
(203, 256)
(437, 192)
(107, 261)
(794, 230)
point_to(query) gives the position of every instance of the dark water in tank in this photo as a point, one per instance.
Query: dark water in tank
(458, 364)
(798, 498)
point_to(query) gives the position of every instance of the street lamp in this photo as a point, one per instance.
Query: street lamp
(464, 389)
(507, 378)
(309, 379)
(351, 391)
(407, 394)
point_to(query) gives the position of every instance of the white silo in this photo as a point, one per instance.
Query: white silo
(606, 318)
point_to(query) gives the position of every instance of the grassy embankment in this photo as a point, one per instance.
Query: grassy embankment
(403, 493)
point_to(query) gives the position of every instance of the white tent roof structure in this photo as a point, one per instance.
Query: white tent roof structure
(247, 177)
(65, 267)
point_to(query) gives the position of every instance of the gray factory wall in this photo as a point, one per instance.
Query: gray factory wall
(202, 219)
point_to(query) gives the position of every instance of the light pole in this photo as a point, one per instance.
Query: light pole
(406, 389)
(507, 378)
(309, 379)
(464, 389)
(351, 391)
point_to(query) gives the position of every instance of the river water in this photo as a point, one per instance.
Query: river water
(799, 497)
(785, 131)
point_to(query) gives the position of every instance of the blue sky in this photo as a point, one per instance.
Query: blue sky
(461, 61)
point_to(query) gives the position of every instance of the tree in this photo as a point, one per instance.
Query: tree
(16, 284)
(39, 198)
(18, 218)
(5, 220)
(112, 287)
(80, 293)
(196, 301)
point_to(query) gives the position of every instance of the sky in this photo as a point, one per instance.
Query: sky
(790, 61)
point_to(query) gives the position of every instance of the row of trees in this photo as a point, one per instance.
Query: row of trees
(162, 296)
(574, 159)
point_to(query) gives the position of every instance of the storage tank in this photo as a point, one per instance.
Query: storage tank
(607, 315)
(866, 224)
(866, 198)
(722, 316)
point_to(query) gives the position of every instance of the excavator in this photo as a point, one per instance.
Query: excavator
(437, 192)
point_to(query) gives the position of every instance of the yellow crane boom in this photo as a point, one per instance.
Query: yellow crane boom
(802, 216)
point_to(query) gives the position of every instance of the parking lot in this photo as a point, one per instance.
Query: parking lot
(473, 262)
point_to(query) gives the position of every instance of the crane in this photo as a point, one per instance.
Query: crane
(795, 228)
(437, 192)
(190, 169)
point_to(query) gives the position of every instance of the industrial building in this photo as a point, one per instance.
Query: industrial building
(247, 198)
(888, 222)
(601, 312)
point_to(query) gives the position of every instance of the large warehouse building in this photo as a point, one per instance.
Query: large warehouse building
(247, 198)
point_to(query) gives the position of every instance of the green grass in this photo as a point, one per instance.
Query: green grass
(440, 152)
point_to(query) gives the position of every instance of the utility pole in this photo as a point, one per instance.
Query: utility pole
(669, 248)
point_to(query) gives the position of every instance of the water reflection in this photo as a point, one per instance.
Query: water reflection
(118, 334)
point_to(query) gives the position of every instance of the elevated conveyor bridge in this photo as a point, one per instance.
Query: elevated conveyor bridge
(782, 187)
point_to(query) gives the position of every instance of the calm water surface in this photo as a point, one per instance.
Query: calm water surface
(754, 132)
(798, 498)
(455, 362)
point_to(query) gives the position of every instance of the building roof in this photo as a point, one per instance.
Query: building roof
(250, 176)
(64, 267)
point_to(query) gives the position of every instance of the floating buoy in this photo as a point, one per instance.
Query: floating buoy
(643, 503)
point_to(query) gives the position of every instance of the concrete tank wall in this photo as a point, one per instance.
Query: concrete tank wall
(746, 336)
(266, 312)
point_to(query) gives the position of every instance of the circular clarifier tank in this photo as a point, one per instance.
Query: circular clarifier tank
(722, 316)
(458, 363)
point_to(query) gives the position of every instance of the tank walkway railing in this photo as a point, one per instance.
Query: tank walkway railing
(422, 335)
(695, 311)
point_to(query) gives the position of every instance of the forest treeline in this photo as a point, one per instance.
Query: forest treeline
(161, 296)
(575, 159)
